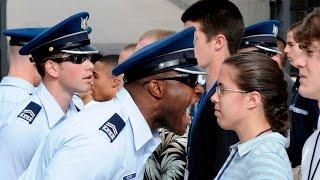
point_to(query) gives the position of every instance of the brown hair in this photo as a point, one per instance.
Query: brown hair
(294, 28)
(258, 72)
(309, 30)
(217, 17)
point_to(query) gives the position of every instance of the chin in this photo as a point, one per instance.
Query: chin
(180, 132)
(223, 125)
(305, 93)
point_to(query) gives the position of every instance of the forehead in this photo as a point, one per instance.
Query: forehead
(99, 66)
(227, 74)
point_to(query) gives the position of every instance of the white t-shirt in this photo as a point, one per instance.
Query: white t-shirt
(311, 152)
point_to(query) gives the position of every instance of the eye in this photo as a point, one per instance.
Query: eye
(309, 51)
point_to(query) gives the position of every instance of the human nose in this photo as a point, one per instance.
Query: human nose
(214, 98)
(197, 91)
(88, 64)
(286, 49)
(300, 62)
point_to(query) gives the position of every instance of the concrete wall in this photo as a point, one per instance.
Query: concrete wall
(115, 22)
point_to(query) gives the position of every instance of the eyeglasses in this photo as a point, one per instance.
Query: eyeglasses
(221, 90)
(74, 58)
(190, 80)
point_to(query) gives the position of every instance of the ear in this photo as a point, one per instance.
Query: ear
(253, 100)
(157, 88)
(52, 68)
(116, 82)
(220, 41)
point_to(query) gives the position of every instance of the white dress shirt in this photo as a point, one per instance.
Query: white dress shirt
(311, 152)
(81, 149)
(13, 90)
(21, 136)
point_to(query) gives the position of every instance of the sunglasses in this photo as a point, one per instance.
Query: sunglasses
(190, 80)
(74, 58)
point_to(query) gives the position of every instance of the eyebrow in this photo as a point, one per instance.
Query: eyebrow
(96, 74)
(220, 84)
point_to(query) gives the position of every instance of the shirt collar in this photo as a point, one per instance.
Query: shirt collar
(52, 108)
(141, 130)
(17, 82)
(246, 147)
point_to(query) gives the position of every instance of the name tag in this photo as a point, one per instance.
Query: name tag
(298, 110)
(130, 176)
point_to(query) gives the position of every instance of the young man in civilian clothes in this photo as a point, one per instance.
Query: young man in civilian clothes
(219, 28)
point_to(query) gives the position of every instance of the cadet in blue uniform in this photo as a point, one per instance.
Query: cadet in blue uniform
(113, 139)
(61, 55)
(22, 78)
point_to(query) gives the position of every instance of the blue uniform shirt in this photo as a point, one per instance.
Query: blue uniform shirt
(263, 157)
(13, 90)
(19, 138)
(83, 148)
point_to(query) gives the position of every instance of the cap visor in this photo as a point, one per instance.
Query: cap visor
(88, 49)
(191, 70)
(271, 49)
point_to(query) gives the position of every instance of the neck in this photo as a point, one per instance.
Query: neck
(20, 66)
(62, 96)
(252, 128)
(147, 109)
(214, 68)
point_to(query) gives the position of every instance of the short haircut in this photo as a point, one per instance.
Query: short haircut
(111, 59)
(41, 61)
(217, 17)
(129, 47)
(309, 30)
(258, 72)
(156, 34)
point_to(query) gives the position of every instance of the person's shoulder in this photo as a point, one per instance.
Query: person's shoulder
(311, 141)
(269, 143)
(88, 123)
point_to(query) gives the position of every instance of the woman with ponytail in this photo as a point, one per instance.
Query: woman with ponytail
(251, 99)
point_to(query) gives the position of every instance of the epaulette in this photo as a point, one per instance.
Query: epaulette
(30, 112)
(113, 127)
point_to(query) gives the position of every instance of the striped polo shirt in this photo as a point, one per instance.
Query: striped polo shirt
(263, 157)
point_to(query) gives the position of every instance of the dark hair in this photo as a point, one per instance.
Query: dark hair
(111, 59)
(309, 30)
(40, 62)
(258, 72)
(294, 28)
(217, 17)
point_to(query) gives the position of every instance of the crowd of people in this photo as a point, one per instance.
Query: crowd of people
(212, 101)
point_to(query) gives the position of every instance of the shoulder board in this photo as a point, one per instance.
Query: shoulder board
(30, 112)
(113, 127)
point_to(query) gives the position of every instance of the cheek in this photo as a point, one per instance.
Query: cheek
(230, 111)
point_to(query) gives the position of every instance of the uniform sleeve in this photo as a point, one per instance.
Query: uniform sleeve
(76, 157)
(269, 166)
